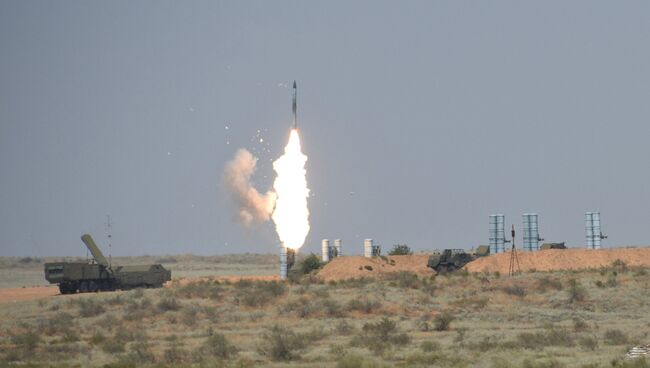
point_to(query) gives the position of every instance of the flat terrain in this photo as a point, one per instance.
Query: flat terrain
(579, 318)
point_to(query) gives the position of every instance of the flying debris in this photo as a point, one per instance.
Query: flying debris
(295, 119)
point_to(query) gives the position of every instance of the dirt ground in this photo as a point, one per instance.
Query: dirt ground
(357, 266)
(11, 295)
(562, 259)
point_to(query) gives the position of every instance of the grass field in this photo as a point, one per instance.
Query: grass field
(536, 319)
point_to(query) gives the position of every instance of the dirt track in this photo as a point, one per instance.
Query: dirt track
(562, 259)
(12, 295)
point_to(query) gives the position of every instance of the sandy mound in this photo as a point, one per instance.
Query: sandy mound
(556, 259)
(348, 267)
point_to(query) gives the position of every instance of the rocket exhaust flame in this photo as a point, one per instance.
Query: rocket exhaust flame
(291, 215)
(286, 204)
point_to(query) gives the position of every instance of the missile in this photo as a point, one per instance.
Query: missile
(295, 119)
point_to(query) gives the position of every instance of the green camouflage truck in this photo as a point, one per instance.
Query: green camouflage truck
(99, 275)
(451, 260)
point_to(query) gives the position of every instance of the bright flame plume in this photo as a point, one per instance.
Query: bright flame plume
(291, 215)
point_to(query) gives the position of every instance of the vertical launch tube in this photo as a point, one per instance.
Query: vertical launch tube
(325, 249)
(283, 262)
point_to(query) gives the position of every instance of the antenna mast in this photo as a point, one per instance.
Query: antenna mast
(108, 234)
(514, 260)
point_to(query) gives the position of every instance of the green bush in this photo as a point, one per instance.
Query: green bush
(114, 346)
(579, 325)
(27, 341)
(615, 337)
(218, 346)
(400, 250)
(355, 361)
(548, 337)
(442, 321)
(363, 305)
(576, 291)
(588, 343)
(380, 335)
(515, 290)
(90, 308)
(168, 303)
(404, 279)
(429, 346)
(546, 283)
(310, 263)
(280, 343)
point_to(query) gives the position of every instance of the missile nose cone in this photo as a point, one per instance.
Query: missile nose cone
(294, 84)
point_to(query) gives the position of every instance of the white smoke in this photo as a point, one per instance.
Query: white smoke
(252, 206)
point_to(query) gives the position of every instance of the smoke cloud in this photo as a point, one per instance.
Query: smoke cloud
(252, 206)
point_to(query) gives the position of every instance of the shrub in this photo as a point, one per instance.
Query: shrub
(90, 308)
(355, 361)
(515, 290)
(474, 303)
(344, 328)
(113, 346)
(400, 250)
(302, 307)
(552, 363)
(442, 322)
(175, 355)
(57, 324)
(279, 343)
(168, 303)
(218, 346)
(619, 265)
(140, 352)
(615, 337)
(367, 267)
(27, 341)
(579, 325)
(576, 291)
(363, 305)
(333, 308)
(429, 346)
(546, 283)
(310, 263)
(189, 315)
(588, 343)
(377, 336)
(404, 279)
(611, 281)
(97, 338)
(549, 337)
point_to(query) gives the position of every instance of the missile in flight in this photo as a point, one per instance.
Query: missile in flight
(295, 119)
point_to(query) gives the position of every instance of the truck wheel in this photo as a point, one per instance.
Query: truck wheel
(83, 288)
(92, 287)
(451, 268)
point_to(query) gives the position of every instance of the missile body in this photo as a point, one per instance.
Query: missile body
(295, 119)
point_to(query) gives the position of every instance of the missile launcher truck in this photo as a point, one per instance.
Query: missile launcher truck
(99, 275)
(452, 259)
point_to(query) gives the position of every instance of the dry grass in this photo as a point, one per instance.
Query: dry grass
(559, 319)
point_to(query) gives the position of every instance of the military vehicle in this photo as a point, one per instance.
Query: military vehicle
(99, 275)
(452, 259)
(552, 246)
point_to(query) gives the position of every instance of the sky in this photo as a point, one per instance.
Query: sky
(419, 118)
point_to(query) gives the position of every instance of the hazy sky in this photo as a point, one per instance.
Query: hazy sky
(419, 119)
